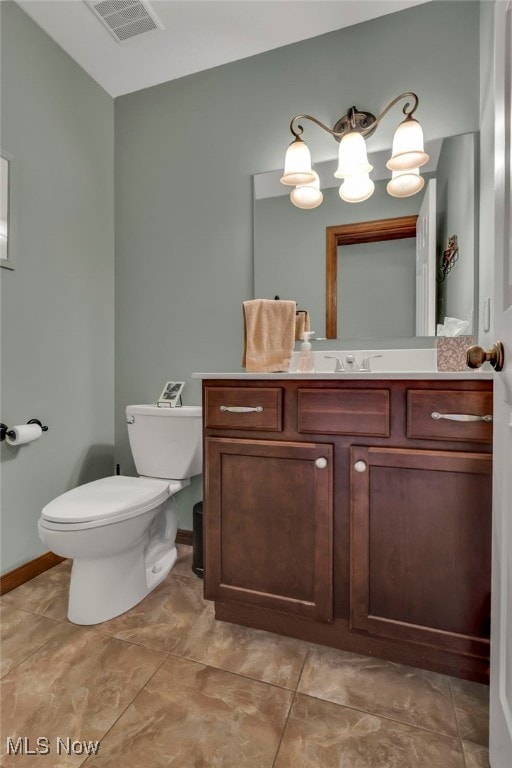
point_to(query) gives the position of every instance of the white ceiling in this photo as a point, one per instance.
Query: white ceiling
(198, 34)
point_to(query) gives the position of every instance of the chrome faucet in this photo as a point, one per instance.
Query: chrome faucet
(351, 363)
(339, 363)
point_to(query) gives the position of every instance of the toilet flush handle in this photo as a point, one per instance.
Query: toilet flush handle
(130, 419)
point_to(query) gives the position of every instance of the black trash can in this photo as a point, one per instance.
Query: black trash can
(197, 539)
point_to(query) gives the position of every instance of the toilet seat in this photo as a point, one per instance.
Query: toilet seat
(105, 501)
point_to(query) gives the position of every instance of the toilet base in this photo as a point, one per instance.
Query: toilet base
(116, 564)
(103, 588)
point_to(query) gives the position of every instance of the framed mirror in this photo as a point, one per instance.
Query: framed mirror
(6, 241)
(290, 257)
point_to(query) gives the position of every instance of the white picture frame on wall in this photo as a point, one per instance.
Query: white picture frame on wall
(6, 211)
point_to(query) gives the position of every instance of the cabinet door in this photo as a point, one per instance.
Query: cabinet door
(268, 524)
(421, 546)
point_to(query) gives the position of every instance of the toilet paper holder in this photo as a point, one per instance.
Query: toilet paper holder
(5, 430)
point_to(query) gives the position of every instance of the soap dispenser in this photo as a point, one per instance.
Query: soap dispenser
(306, 361)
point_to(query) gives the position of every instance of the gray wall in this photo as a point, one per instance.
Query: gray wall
(58, 304)
(186, 152)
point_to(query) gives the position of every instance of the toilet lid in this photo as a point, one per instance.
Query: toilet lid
(116, 496)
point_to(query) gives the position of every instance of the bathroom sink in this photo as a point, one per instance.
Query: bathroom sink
(379, 361)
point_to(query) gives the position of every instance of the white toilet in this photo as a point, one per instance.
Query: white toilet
(120, 531)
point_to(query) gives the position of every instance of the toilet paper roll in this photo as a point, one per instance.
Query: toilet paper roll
(23, 433)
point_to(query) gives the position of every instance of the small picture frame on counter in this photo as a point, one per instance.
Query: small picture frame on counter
(171, 395)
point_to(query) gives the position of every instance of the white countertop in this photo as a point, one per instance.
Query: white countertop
(386, 364)
(373, 375)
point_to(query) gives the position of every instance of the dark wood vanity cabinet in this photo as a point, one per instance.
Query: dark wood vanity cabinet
(270, 518)
(342, 512)
(420, 546)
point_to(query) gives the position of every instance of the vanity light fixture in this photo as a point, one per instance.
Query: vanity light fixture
(405, 183)
(307, 195)
(408, 155)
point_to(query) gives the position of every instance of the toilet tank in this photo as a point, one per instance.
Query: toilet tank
(166, 442)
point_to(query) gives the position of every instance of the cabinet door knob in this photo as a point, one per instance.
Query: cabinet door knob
(321, 462)
(360, 466)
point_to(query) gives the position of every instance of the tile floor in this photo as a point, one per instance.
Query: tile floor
(166, 685)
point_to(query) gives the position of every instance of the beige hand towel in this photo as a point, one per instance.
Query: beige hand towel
(269, 335)
(301, 324)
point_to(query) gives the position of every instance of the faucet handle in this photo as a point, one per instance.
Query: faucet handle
(339, 363)
(365, 365)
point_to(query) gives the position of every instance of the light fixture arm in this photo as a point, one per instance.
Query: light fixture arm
(300, 130)
(348, 120)
(406, 109)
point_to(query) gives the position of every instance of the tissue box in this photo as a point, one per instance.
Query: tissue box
(451, 352)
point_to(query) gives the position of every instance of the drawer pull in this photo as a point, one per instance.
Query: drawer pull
(460, 417)
(321, 462)
(360, 466)
(241, 409)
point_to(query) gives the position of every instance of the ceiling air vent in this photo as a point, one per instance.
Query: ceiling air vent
(125, 19)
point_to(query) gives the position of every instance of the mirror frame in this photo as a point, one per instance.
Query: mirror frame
(352, 234)
(7, 182)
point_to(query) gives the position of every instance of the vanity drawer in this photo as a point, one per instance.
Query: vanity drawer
(258, 408)
(344, 411)
(441, 415)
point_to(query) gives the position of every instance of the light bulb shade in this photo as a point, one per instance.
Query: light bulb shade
(352, 157)
(297, 164)
(405, 183)
(307, 195)
(355, 189)
(408, 152)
